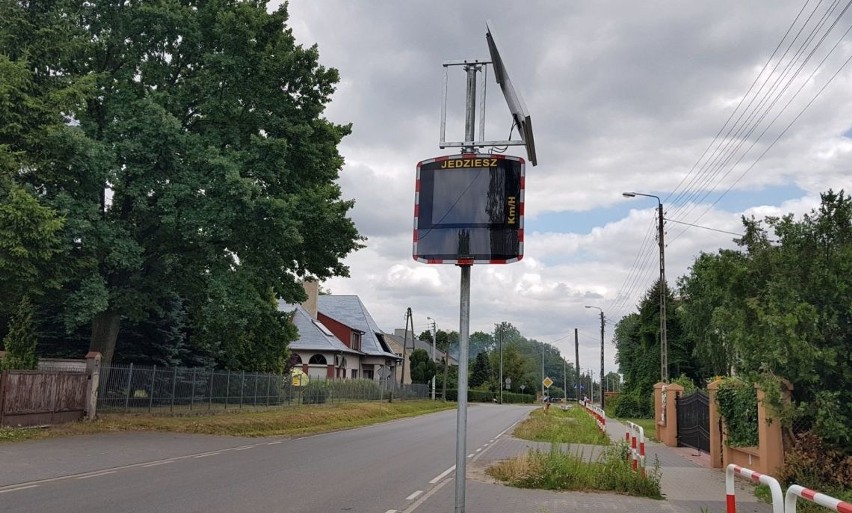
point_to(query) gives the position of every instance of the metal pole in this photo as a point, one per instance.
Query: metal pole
(602, 360)
(461, 424)
(129, 381)
(577, 361)
(664, 348)
(192, 397)
(434, 341)
(501, 363)
(564, 383)
(151, 397)
(542, 369)
(464, 314)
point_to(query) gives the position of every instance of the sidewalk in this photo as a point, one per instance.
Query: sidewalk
(688, 485)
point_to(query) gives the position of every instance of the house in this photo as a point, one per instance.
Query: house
(396, 341)
(338, 338)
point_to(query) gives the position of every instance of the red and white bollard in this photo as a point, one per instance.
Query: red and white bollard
(771, 482)
(635, 438)
(796, 491)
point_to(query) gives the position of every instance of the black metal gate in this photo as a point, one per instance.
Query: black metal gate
(693, 421)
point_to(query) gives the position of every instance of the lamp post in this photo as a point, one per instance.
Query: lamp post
(433, 355)
(602, 353)
(664, 349)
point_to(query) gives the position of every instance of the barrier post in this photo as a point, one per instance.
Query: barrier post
(775, 488)
(796, 491)
(635, 437)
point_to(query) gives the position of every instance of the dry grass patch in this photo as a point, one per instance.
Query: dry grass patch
(295, 420)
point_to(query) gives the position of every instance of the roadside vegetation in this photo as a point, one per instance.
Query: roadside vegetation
(292, 421)
(561, 426)
(562, 468)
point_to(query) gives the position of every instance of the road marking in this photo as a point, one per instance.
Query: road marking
(275, 443)
(471, 455)
(425, 496)
(414, 495)
(390, 511)
(478, 450)
(442, 475)
(18, 488)
(158, 463)
(243, 448)
(99, 474)
(204, 455)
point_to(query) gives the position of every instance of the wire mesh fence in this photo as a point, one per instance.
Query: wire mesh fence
(166, 390)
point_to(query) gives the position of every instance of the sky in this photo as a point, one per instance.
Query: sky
(720, 108)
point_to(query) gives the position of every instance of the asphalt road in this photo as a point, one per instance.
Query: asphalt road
(391, 467)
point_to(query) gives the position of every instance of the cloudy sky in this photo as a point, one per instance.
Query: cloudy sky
(688, 101)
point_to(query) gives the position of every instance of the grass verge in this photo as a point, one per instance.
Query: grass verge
(561, 470)
(561, 426)
(296, 420)
(647, 424)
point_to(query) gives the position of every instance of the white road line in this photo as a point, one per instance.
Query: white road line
(480, 449)
(206, 454)
(442, 475)
(425, 496)
(99, 474)
(414, 495)
(275, 443)
(158, 463)
(243, 448)
(471, 455)
(390, 511)
(18, 488)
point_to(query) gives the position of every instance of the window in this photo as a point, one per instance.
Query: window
(355, 341)
(318, 359)
(368, 374)
(354, 373)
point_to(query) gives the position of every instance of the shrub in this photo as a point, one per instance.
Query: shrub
(737, 401)
(314, 392)
(21, 340)
(635, 405)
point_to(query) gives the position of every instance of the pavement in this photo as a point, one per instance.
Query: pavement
(688, 483)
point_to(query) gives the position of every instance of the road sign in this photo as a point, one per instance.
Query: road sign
(508, 383)
(469, 209)
(547, 382)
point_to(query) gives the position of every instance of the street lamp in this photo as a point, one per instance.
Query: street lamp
(433, 355)
(664, 348)
(602, 353)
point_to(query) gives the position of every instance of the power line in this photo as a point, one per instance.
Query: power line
(705, 227)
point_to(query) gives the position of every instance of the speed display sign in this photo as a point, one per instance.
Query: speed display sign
(469, 209)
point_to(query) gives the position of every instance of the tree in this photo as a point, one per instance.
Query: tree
(481, 373)
(188, 154)
(20, 342)
(422, 367)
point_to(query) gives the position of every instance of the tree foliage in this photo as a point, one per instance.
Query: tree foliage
(184, 146)
(422, 366)
(20, 342)
(481, 372)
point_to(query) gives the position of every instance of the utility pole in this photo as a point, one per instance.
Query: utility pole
(602, 352)
(661, 232)
(577, 361)
(405, 342)
(434, 340)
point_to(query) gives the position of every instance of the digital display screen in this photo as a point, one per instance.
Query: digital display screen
(469, 208)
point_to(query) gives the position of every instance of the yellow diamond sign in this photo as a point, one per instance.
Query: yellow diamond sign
(547, 382)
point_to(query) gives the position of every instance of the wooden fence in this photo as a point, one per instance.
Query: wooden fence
(33, 398)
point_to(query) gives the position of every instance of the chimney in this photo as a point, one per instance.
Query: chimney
(312, 290)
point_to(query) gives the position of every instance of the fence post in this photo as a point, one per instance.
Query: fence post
(267, 389)
(93, 366)
(242, 387)
(210, 390)
(151, 395)
(174, 387)
(192, 394)
(227, 388)
(255, 389)
(771, 482)
(129, 381)
(3, 387)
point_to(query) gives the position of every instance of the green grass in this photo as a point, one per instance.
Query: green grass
(561, 470)
(291, 421)
(561, 426)
(649, 425)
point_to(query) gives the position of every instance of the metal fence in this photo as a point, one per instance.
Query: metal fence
(165, 390)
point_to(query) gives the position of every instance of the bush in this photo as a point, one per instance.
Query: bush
(635, 405)
(315, 392)
(21, 340)
(811, 464)
(737, 401)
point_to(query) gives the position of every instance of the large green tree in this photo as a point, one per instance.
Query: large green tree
(422, 367)
(184, 144)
